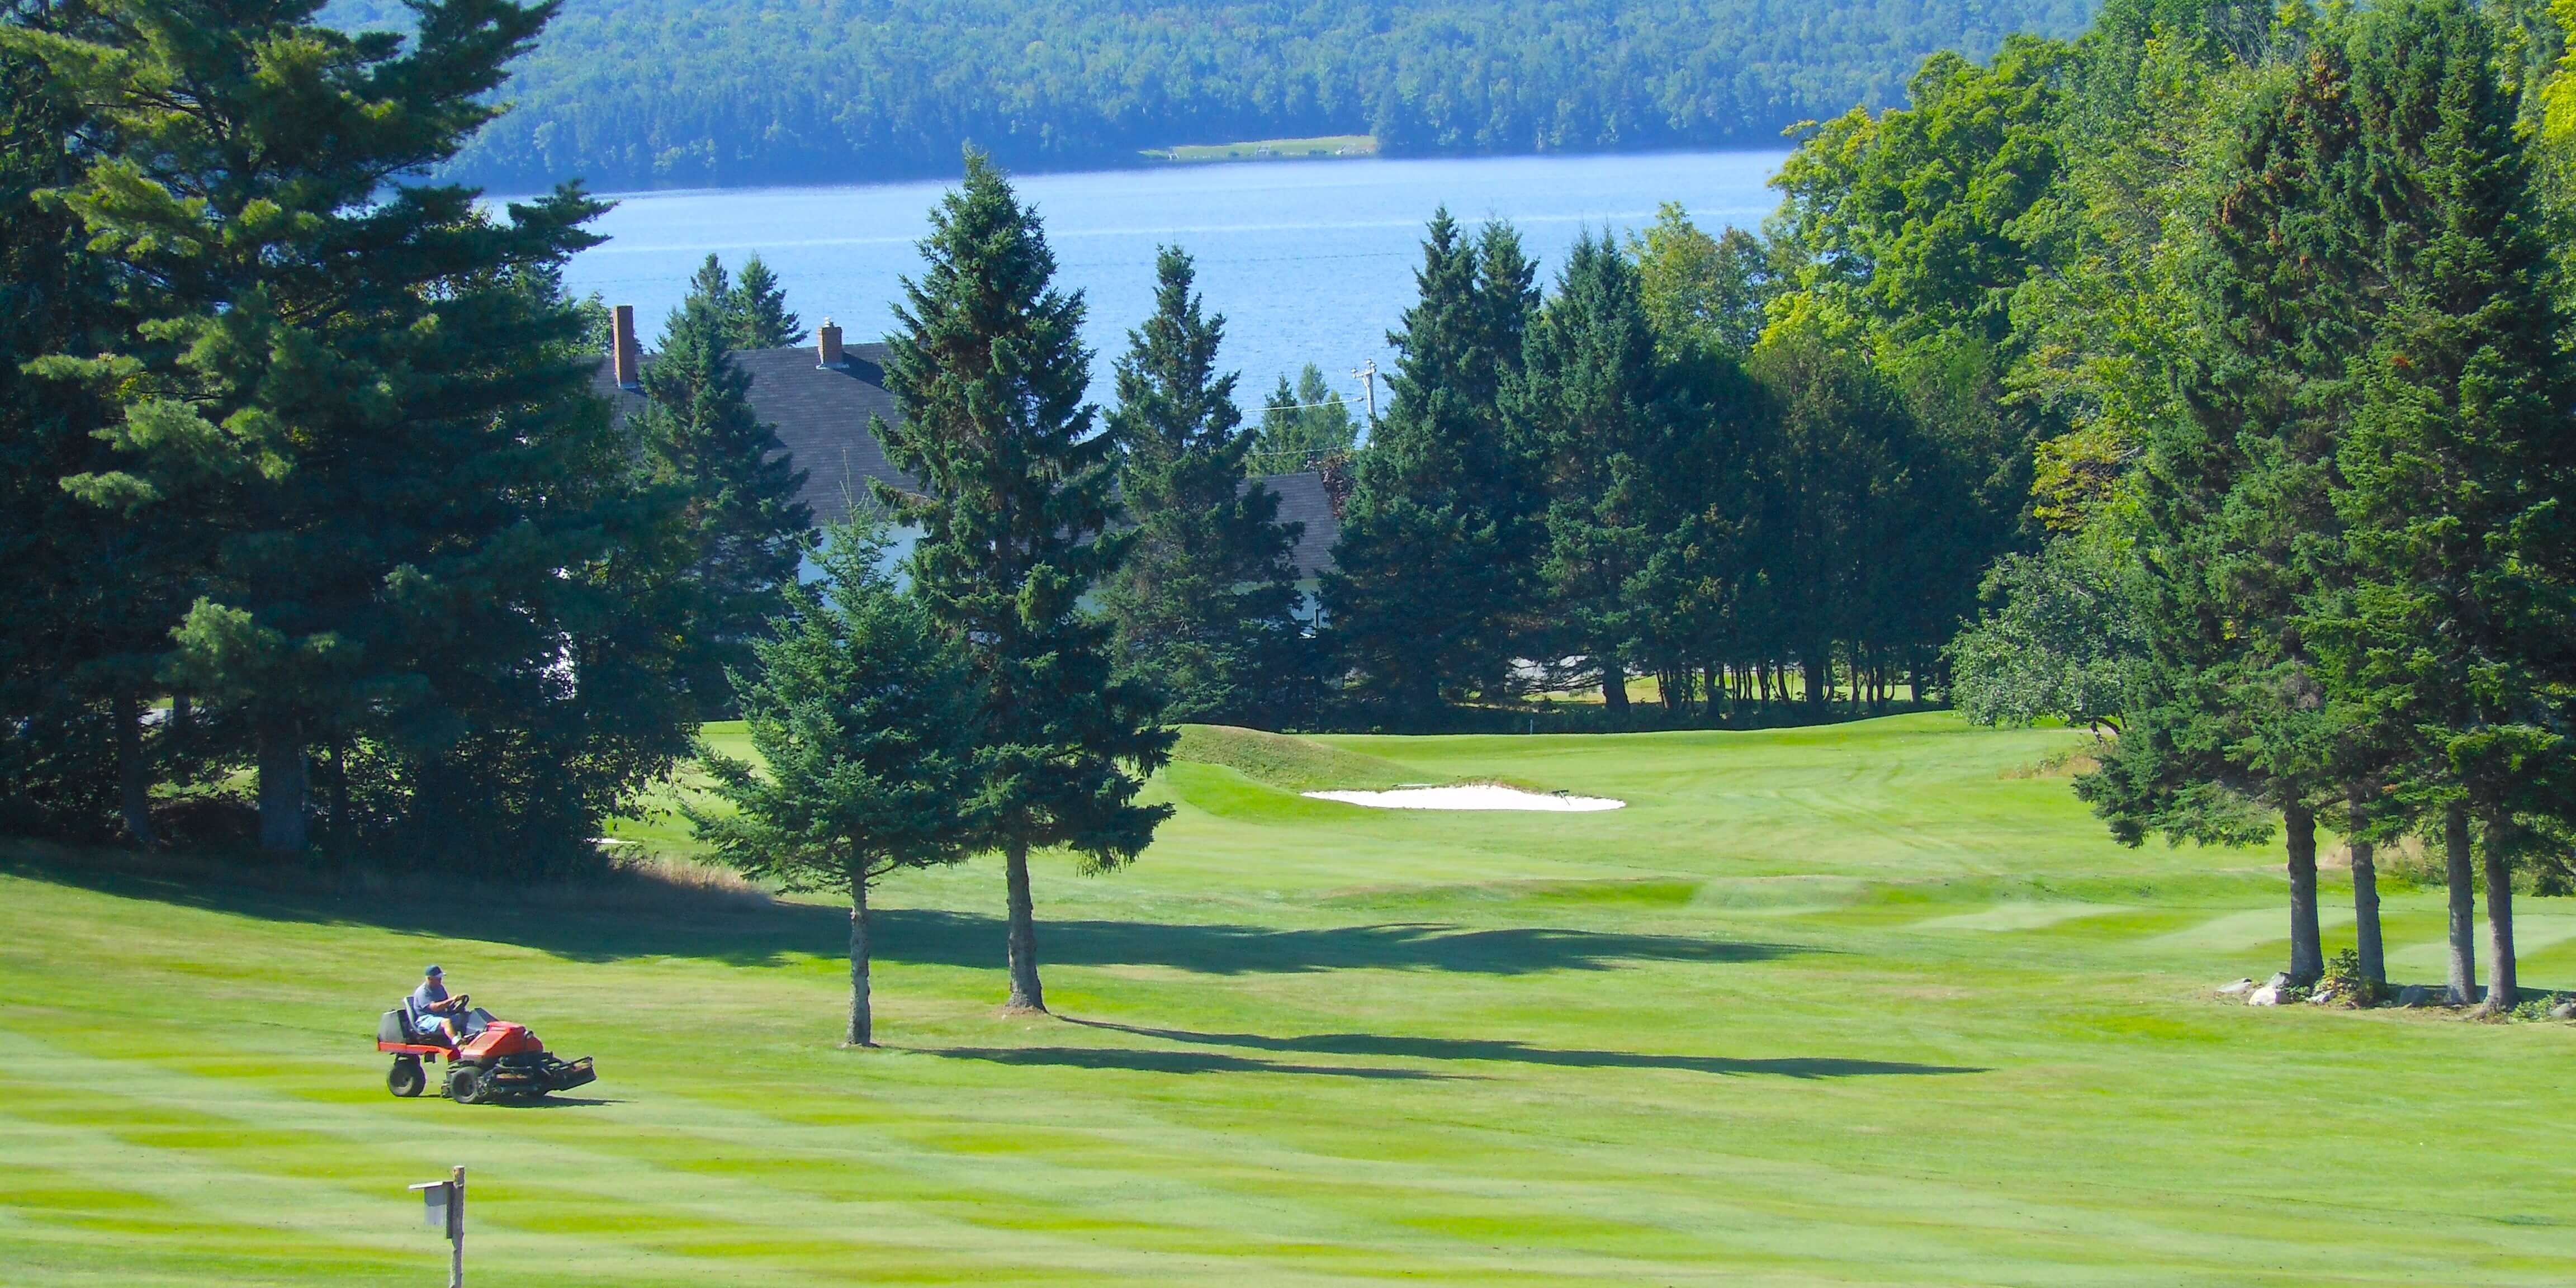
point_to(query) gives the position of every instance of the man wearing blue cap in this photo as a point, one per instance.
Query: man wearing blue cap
(431, 1007)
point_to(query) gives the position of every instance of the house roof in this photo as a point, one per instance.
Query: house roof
(1303, 501)
(821, 415)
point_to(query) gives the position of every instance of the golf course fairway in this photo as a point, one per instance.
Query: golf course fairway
(1863, 1004)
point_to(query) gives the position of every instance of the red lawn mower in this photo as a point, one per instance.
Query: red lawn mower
(494, 1060)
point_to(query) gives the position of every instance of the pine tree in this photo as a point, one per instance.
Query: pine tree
(1594, 407)
(2457, 627)
(863, 713)
(1433, 563)
(284, 356)
(1303, 425)
(91, 594)
(752, 531)
(1205, 603)
(2237, 527)
(1016, 503)
(758, 307)
(360, 400)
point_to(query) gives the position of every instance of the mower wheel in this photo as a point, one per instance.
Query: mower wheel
(466, 1085)
(406, 1080)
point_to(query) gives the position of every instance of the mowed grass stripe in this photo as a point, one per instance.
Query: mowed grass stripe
(1707, 1039)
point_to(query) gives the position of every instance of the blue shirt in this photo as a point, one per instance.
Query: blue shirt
(430, 990)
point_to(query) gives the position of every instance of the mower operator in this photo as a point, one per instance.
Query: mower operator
(430, 1002)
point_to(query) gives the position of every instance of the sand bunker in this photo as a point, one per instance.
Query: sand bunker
(1472, 796)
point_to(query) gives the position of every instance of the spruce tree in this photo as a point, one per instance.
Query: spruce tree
(2457, 626)
(2239, 533)
(1205, 603)
(1593, 407)
(1303, 425)
(751, 530)
(1433, 563)
(758, 307)
(1016, 502)
(863, 713)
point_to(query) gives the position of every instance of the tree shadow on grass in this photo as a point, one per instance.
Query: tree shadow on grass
(970, 939)
(751, 931)
(1374, 1044)
(1172, 1062)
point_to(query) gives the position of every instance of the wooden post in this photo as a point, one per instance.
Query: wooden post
(456, 1230)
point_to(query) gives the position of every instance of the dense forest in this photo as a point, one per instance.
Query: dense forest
(662, 93)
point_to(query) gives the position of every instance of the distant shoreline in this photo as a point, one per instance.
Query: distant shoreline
(1329, 147)
(1137, 164)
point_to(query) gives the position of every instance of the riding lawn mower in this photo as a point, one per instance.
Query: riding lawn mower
(490, 1060)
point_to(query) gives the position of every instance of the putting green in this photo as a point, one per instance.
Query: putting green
(1865, 1004)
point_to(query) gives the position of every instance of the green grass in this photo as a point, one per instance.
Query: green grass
(1332, 145)
(1862, 1004)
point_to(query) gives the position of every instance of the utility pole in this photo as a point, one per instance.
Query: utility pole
(1366, 374)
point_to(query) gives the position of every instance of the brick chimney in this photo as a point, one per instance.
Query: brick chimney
(827, 344)
(622, 351)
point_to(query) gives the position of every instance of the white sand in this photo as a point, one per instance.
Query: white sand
(1471, 796)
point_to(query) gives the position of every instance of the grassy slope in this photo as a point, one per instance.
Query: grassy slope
(1829, 1006)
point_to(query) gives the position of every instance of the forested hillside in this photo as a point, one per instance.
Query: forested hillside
(634, 93)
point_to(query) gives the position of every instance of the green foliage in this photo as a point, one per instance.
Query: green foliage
(1017, 499)
(2061, 640)
(417, 547)
(1436, 538)
(2450, 626)
(1303, 426)
(758, 306)
(1702, 289)
(1205, 605)
(862, 714)
(1596, 409)
(89, 593)
(700, 429)
(636, 93)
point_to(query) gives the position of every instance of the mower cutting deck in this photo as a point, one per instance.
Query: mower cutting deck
(497, 1060)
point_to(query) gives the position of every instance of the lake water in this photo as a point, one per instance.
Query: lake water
(1308, 261)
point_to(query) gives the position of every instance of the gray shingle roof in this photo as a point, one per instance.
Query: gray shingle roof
(1302, 500)
(821, 414)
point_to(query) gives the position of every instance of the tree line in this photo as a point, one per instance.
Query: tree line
(305, 482)
(2287, 290)
(643, 93)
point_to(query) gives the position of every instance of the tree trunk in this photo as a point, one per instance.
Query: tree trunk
(862, 1021)
(281, 788)
(133, 772)
(1026, 993)
(339, 790)
(1819, 677)
(2502, 991)
(2463, 981)
(2365, 918)
(1614, 687)
(2307, 946)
